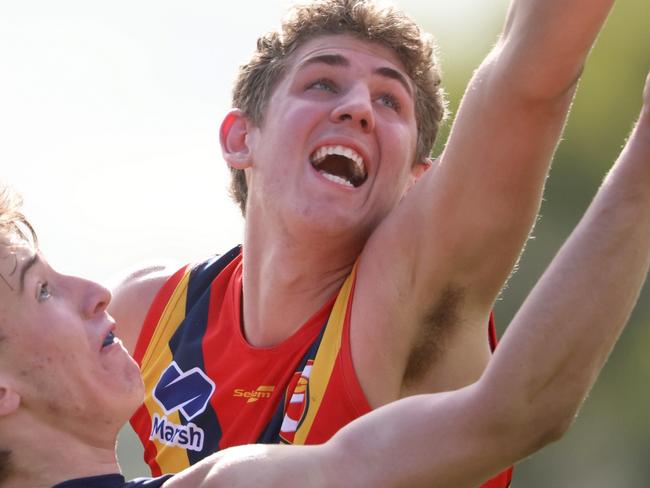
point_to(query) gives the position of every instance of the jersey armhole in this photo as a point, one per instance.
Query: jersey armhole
(353, 390)
(492, 332)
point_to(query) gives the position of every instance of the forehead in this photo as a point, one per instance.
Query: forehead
(14, 256)
(353, 49)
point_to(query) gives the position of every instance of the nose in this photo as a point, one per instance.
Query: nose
(355, 107)
(95, 298)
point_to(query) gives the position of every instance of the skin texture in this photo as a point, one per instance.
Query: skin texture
(304, 232)
(56, 382)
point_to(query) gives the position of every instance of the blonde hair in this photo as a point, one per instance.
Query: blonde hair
(13, 223)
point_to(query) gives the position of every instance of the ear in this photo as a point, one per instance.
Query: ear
(417, 170)
(233, 136)
(9, 401)
(421, 167)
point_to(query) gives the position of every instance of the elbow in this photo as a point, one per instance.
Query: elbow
(543, 427)
(525, 427)
(547, 431)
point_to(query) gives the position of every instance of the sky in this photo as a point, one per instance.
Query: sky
(110, 114)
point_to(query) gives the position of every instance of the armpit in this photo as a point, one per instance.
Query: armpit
(430, 341)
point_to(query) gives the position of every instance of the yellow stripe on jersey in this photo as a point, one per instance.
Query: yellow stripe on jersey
(171, 316)
(156, 359)
(325, 358)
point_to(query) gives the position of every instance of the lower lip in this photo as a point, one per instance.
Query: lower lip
(116, 345)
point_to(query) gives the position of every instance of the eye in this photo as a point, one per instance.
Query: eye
(323, 84)
(43, 291)
(390, 101)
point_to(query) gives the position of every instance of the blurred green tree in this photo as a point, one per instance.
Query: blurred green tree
(609, 444)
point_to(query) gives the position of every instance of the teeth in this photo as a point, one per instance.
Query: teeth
(338, 150)
(336, 179)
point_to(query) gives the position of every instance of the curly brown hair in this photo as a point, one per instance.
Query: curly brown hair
(364, 19)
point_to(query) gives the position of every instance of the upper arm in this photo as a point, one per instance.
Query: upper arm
(445, 439)
(132, 297)
(462, 226)
(485, 193)
(477, 209)
(449, 439)
(457, 233)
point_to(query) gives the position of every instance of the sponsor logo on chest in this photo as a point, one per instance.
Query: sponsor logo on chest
(262, 392)
(186, 392)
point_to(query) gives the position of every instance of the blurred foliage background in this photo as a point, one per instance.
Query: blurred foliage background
(609, 445)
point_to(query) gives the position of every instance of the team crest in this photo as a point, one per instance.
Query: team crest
(296, 403)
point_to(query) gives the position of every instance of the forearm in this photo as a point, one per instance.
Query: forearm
(487, 189)
(439, 440)
(560, 339)
(545, 42)
(265, 465)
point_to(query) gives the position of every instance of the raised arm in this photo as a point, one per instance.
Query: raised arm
(561, 337)
(484, 196)
(551, 356)
(458, 232)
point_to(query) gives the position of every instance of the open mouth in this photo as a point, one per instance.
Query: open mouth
(109, 339)
(340, 164)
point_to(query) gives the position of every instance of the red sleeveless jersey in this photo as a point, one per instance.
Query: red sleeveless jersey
(208, 389)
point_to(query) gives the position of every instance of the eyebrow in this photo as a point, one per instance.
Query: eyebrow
(395, 75)
(339, 60)
(23, 271)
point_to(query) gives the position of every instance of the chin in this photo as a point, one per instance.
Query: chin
(127, 390)
(132, 376)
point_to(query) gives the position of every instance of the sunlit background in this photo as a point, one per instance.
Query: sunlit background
(109, 115)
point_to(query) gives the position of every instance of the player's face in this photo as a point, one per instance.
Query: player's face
(56, 345)
(338, 141)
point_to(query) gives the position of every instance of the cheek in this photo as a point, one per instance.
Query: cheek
(47, 358)
(296, 120)
(43, 362)
(48, 382)
(398, 138)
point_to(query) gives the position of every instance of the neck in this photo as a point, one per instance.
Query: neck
(43, 455)
(288, 276)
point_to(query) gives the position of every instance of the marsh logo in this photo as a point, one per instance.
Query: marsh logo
(188, 392)
(186, 436)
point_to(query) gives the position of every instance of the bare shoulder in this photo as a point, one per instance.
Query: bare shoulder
(133, 292)
(387, 319)
(410, 337)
